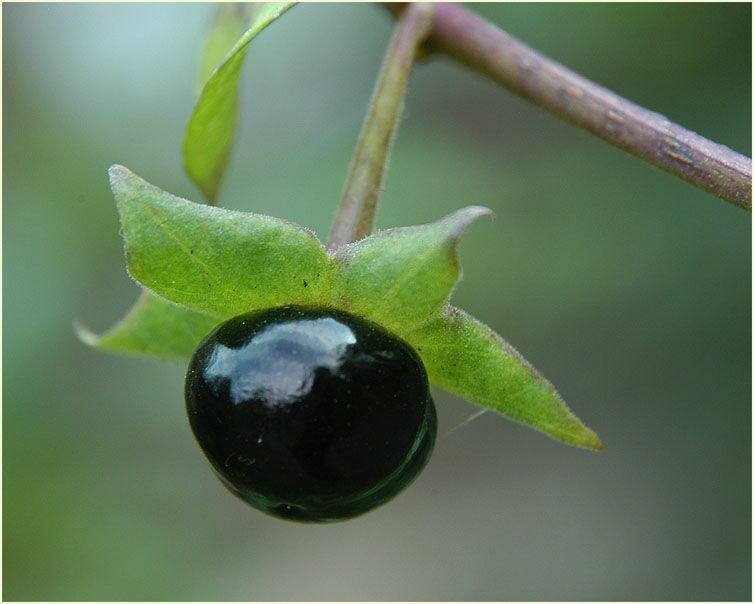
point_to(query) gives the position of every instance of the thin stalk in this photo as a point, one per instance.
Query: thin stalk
(355, 217)
(484, 47)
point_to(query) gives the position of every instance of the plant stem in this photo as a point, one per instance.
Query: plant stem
(466, 37)
(355, 217)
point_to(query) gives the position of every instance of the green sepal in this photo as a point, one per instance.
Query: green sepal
(214, 260)
(402, 277)
(153, 327)
(467, 358)
(223, 263)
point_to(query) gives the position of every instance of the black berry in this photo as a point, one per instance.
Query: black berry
(310, 415)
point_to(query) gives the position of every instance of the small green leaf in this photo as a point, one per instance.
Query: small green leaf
(229, 23)
(467, 358)
(210, 131)
(154, 327)
(403, 277)
(214, 260)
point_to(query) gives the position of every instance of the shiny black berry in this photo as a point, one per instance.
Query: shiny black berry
(310, 415)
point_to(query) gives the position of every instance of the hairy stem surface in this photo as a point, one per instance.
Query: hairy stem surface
(355, 217)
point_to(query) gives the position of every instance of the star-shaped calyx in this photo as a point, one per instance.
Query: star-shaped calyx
(201, 265)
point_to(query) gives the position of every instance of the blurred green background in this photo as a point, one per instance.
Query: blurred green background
(628, 289)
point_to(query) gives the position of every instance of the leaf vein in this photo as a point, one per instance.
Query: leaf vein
(181, 244)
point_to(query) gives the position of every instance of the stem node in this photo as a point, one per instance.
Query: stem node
(487, 49)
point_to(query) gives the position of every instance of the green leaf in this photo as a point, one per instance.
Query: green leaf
(214, 260)
(465, 357)
(153, 327)
(210, 131)
(402, 277)
(229, 23)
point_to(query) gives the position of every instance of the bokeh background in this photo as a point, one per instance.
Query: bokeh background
(628, 289)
